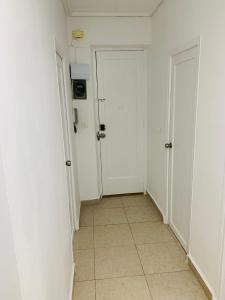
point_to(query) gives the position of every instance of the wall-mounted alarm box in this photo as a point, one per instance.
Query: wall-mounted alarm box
(80, 71)
(79, 74)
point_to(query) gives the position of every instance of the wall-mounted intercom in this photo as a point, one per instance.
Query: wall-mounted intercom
(79, 89)
(75, 120)
(80, 73)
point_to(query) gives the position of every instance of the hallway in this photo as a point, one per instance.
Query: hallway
(112, 99)
(125, 252)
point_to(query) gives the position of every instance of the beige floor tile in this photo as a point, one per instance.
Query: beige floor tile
(162, 257)
(84, 260)
(86, 216)
(142, 214)
(84, 290)
(133, 288)
(84, 238)
(112, 235)
(151, 232)
(175, 286)
(109, 216)
(117, 262)
(136, 200)
(109, 202)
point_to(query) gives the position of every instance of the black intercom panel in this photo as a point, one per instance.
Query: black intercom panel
(79, 87)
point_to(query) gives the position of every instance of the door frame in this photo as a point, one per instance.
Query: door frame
(221, 264)
(59, 51)
(221, 256)
(117, 48)
(188, 46)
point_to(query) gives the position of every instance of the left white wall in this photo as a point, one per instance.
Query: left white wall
(9, 279)
(32, 149)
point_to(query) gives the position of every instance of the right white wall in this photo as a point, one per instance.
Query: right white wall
(176, 23)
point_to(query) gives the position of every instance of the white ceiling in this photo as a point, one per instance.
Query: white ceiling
(113, 7)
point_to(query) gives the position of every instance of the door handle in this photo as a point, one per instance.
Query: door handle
(100, 135)
(68, 163)
(169, 146)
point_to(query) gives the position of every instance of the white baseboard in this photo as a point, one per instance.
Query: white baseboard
(202, 276)
(77, 225)
(179, 237)
(165, 219)
(72, 283)
(94, 197)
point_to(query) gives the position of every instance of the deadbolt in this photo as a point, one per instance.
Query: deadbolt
(68, 163)
(169, 145)
(102, 127)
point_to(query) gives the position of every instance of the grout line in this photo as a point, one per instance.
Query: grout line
(139, 257)
(115, 224)
(138, 275)
(94, 257)
(120, 277)
(128, 245)
(156, 221)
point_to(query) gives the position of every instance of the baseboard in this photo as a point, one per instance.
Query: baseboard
(200, 277)
(178, 236)
(77, 225)
(90, 202)
(72, 283)
(164, 218)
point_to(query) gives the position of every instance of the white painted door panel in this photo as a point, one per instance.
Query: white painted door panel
(183, 137)
(120, 83)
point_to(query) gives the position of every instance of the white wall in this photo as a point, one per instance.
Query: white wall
(32, 149)
(9, 279)
(176, 23)
(99, 32)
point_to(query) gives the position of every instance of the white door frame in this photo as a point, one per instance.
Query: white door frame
(192, 44)
(221, 256)
(222, 271)
(145, 50)
(60, 52)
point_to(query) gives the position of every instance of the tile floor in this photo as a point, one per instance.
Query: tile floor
(123, 251)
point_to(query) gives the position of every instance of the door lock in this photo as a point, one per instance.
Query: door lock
(100, 135)
(169, 146)
(102, 127)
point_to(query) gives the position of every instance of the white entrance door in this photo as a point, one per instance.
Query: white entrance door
(120, 76)
(183, 115)
(66, 140)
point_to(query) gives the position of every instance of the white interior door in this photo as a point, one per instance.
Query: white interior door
(183, 115)
(120, 76)
(66, 140)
